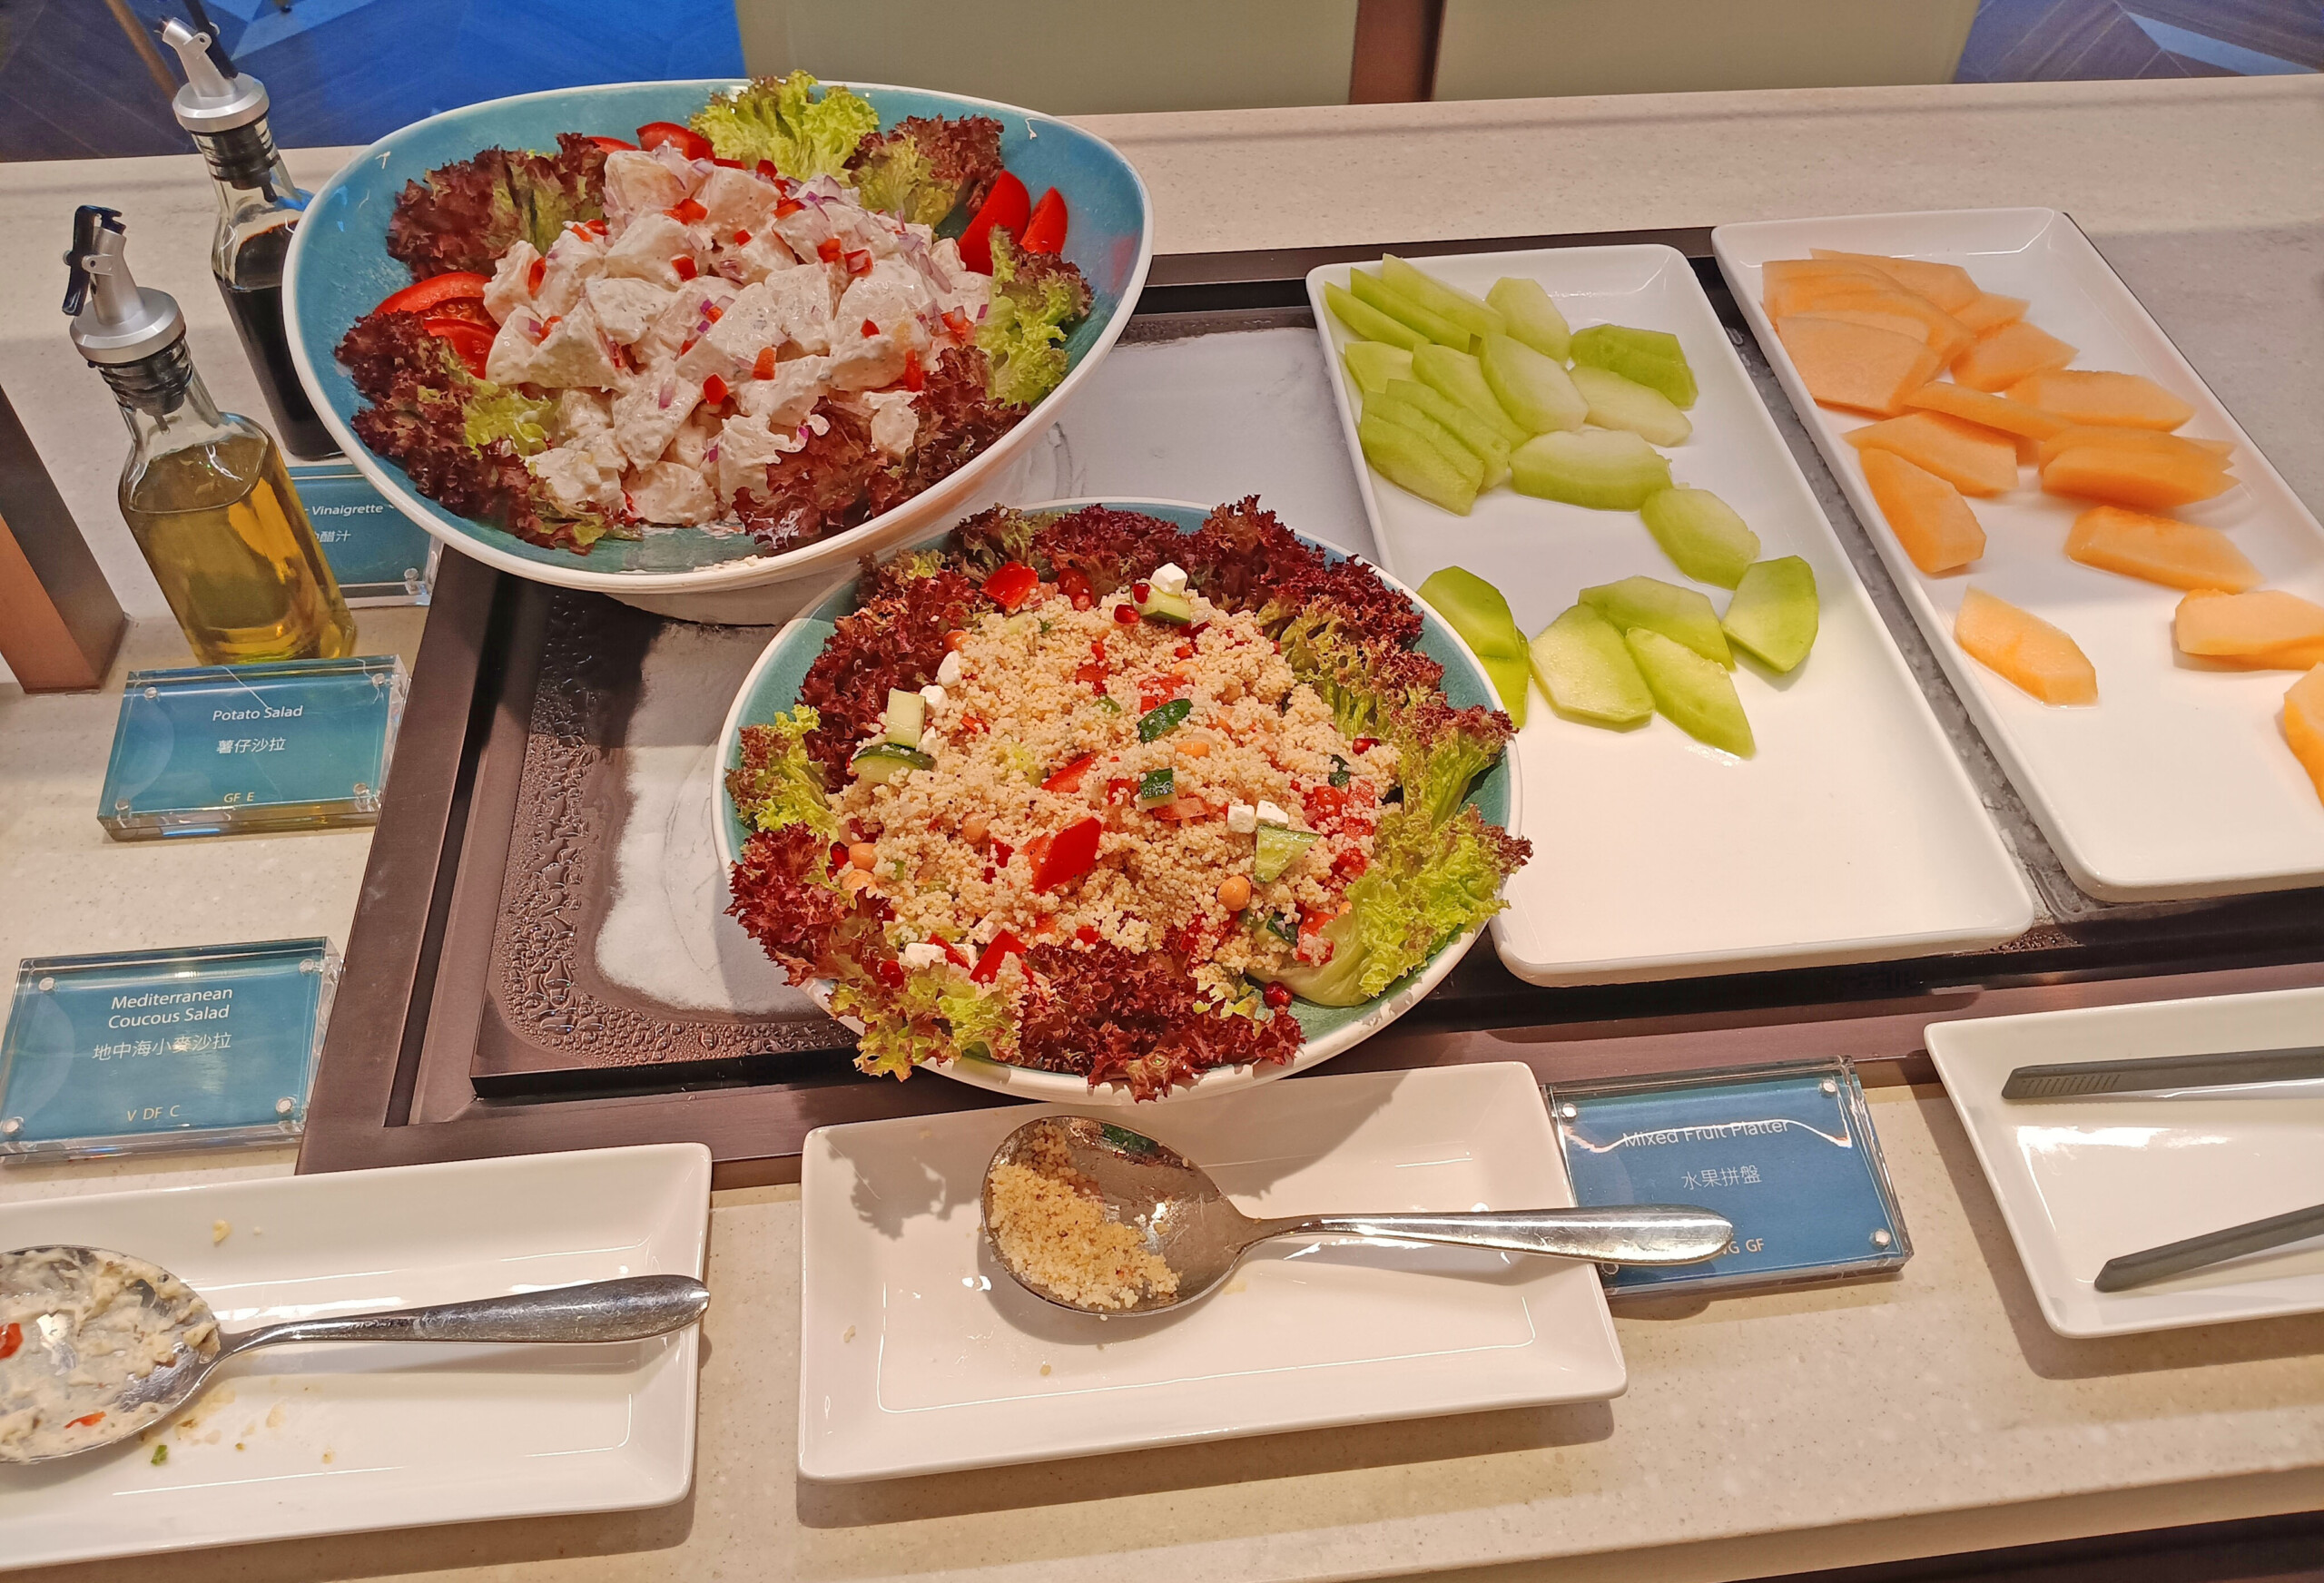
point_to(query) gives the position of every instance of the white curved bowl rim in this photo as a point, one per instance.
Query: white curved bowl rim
(879, 533)
(1032, 1084)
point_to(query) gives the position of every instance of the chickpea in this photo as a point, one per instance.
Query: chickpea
(1235, 893)
(954, 640)
(854, 880)
(974, 828)
(1194, 748)
(864, 856)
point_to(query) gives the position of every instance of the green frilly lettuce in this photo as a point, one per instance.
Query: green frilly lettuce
(777, 783)
(781, 120)
(1023, 333)
(937, 1014)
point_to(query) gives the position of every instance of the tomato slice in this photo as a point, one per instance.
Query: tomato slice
(657, 134)
(611, 143)
(988, 961)
(473, 342)
(1008, 205)
(1045, 228)
(1072, 854)
(422, 295)
(1011, 584)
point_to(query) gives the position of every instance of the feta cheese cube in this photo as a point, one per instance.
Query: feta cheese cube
(935, 697)
(1270, 814)
(949, 672)
(1242, 817)
(921, 954)
(1170, 577)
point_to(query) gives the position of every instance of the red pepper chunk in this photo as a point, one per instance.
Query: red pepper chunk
(1068, 779)
(830, 249)
(686, 211)
(654, 134)
(892, 973)
(787, 208)
(766, 170)
(714, 389)
(1087, 935)
(989, 962)
(742, 239)
(610, 144)
(1073, 853)
(915, 377)
(11, 1338)
(1045, 228)
(958, 323)
(712, 313)
(685, 267)
(460, 286)
(1011, 584)
(86, 1419)
(535, 275)
(763, 368)
(859, 262)
(869, 328)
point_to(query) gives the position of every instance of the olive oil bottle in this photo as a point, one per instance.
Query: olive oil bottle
(204, 492)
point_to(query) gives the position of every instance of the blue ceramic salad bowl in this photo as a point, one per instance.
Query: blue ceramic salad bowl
(339, 269)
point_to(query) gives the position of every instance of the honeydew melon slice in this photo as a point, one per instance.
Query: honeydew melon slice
(1587, 671)
(1607, 469)
(1773, 616)
(1374, 365)
(1532, 318)
(1477, 611)
(1481, 437)
(1619, 403)
(1681, 615)
(1533, 389)
(1447, 302)
(1368, 322)
(1702, 534)
(1461, 378)
(1695, 695)
(1410, 460)
(1370, 290)
(1652, 357)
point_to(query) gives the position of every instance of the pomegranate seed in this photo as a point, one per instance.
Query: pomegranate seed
(1277, 995)
(1126, 616)
(1141, 592)
(1364, 744)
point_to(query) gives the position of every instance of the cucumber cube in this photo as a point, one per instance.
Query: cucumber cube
(1475, 609)
(1531, 317)
(1585, 668)
(906, 719)
(1619, 403)
(1607, 469)
(1482, 438)
(1531, 389)
(1370, 290)
(1696, 696)
(1408, 459)
(1445, 301)
(1368, 322)
(1681, 615)
(1374, 365)
(1772, 617)
(1464, 461)
(1701, 532)
(1275, 850)
(1651, 358)
(1458, 376)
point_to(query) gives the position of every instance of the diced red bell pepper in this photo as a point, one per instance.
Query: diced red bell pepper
(742, 239)
(1075, 584)
(1073, 853)
(1068, 779)
(714, 389)
(11, 1338)
(685, 267)
(1045, 228)
(766, 170)
(958, 323)
(1120, 792)
(787, 208)
(1087, 935)
(611, 143)
(869, 326)
(988, 961)
(859, 262)
(892, 973)
(472, 342)
(1095, 672)
(730, 164)
(1011, 584)
(84, 1419)
(1001, 852)
(953, 956)
(422, 295)
(830, 249)
(915, 377)
(764, 367)
(1007, 206)
(656, 134)
(535, 275)
(686, 211)
(548, 324)
(1364, 744)
(712, 313)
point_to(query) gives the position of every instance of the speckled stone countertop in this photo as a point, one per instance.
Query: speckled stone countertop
(1930, 1414)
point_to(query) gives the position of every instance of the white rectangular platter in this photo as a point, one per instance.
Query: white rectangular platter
(2080, 1181)
(919, 1355)
(2178, 783)
(300, 1440)
(1853, 835)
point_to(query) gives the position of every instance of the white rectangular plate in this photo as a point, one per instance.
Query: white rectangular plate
(346, 1437)
(919, 1355)
(2080, 1181)
(1853, 835)
(2178, 783)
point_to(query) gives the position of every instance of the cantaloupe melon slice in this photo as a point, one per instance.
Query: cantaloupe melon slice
(1856, 365)
(2013, 352)
(1880, 319)
(1949, 286)
(2265, 627)
(2023, 649)
(1928, 515)
(1868, 294)
(1777, 276)
(1993, 412)
(2130, 401)
(2304, 724)
(1990, 312)
(2148, 481)
(2145, 442)
(2177, 555)
(1972, 459)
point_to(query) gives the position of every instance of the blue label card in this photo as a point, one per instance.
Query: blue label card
(297, 744)
(148, 1050)
(379, 556)
(1787, 1153)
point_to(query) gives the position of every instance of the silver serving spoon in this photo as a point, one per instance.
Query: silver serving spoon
(67, 1368)
(1182, 1219)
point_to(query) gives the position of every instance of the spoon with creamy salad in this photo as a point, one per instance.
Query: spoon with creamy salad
(96, 1345)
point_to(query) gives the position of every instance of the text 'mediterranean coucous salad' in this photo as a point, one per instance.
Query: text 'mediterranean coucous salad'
(1088, 794)
(747, 322)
